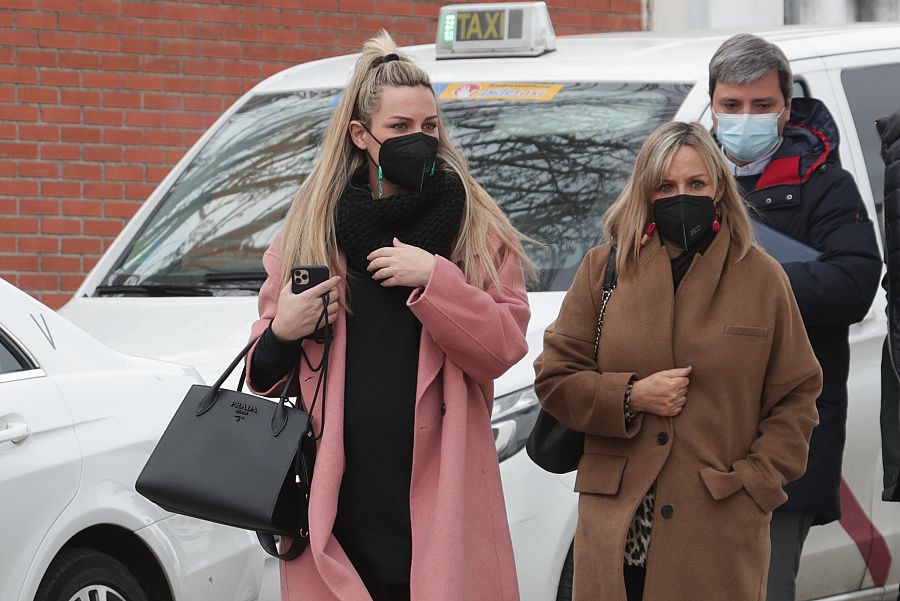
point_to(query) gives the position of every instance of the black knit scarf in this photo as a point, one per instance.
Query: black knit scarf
(429, 219)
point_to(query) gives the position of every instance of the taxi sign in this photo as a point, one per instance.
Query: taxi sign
(494, 30)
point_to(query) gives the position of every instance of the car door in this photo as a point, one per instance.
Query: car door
(40, 461)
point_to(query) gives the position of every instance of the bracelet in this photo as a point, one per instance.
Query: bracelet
(629, 416)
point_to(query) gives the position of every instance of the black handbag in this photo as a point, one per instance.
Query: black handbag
(551, 445)
(238, 459)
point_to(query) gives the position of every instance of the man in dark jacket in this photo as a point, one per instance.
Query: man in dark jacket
(784, 155)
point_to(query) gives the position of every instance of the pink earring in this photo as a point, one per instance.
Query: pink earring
(716, 226)
(648, 233)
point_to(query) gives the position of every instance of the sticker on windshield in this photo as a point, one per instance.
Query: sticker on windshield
(500, 91)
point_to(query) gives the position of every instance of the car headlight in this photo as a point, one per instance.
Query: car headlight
(512, 420)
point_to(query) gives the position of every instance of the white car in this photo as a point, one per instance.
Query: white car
(552, 137)
(77, 422)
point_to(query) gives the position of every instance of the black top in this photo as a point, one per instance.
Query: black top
(373, 523)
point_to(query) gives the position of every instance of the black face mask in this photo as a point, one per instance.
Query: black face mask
(407, 160)
(683, 219)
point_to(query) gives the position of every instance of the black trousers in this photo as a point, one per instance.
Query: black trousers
(389, 592)
(634, 582)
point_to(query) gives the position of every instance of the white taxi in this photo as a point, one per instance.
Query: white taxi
(77, 422)
(551, 128)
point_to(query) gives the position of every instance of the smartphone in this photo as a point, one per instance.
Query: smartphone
(304, 277)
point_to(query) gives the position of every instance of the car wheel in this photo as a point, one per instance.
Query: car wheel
(564, 592)
(88, 575)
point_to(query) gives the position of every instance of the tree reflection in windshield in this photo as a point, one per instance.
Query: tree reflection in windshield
(553, 166)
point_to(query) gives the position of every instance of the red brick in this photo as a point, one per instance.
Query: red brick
(19, 4)
(222, 49)
(626, 6)
(182, 48)
(39, 95)
(29, 281)
(80, 134)
(102, 80)
(180, 12)
(90, 262)
(8, 131)
(61, 189)
(8, 243)
(6, 19)
(102, 117)
(60, 226)
(101, 43)
(150, 9)
(295, 4)
(212, 104)
(124, 173)
(124, 210)
(9, 206)
(20, 187)
(20, 38)
(20, 263)
(60, 6)
(157, 174)
(226, 86)
(40, 169)
(163, 138)
(123, 136)
(259, 52)
(12, 278)
(7, 93)
(161, 29)
(139, 191)
(103, 190)
(35, 21)
(101, 7)
(17, 112)
(79, 60)
(244, 34)
(60, 78)
(120, 62)
(14, 75)
(61, 264)
(204, 67)
(102, 153)
(201, 31)
(141, 46)
(21, 225)
(70, 283)
(418, 26)
(65, 152)
(273, 68)
(79, 23)
(320, 5)
(47, 133)
(7, 169)
(141, 82)
(131, 100)
(145, 119)
(138, 154)
(261, 17)
(42, 58)
(18, 150)
(121, 26)
(81, 246)
(298, 54)
(102, 227)
(38, 207)
(163, 101)
(223, 15)
(161, 64)
(79, 97)
(72, 208)
(183, 84)
(39, 245)
(82, 171)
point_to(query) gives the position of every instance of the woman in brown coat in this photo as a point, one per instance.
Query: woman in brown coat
(701, 401)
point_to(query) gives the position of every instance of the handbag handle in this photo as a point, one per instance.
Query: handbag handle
(609, 284)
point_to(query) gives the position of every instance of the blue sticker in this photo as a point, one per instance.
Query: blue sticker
(439, 88)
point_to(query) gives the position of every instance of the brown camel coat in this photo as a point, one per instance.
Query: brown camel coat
(720, 465)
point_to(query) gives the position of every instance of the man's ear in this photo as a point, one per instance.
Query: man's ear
(358, 134)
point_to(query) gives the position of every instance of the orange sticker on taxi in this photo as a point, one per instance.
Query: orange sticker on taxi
(500, 91)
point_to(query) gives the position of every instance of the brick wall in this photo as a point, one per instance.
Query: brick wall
(99, 98)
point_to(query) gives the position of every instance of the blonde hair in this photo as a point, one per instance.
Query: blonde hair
(626, 220)
(308, 236)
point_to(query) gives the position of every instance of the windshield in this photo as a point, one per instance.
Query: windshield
(553, 162)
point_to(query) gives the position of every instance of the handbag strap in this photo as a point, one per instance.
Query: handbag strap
(298, 545)
(609, 284)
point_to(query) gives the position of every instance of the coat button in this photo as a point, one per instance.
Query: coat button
(662, 438)
(790, 196)
(443, 408)
(667, 511)
(768, 201)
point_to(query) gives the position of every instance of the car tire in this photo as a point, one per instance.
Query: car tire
(564, 592)
(84, 575)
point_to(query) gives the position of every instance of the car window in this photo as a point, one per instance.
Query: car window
(553, 162)
(11, 358)
(872, 93)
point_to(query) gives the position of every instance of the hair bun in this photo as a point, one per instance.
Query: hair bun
(385, 59)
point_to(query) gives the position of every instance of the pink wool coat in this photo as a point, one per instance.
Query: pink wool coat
(461, 548)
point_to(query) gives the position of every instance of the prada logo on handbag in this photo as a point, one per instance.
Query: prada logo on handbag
(242, 410)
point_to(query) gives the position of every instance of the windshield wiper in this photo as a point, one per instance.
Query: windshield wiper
(152, 290)
(229, 277)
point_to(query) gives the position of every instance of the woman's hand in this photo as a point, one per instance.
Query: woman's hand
(663, 393)
(297, 314)
(401, 265)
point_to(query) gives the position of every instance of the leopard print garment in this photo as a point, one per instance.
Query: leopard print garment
(637, 541)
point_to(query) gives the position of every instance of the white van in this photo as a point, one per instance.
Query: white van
(552, 137)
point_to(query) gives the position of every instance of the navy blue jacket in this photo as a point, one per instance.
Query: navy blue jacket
(805, 194)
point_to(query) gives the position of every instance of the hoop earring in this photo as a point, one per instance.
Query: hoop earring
(380, 178)
(648, 233)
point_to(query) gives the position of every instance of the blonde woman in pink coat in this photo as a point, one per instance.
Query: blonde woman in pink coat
(428, 307)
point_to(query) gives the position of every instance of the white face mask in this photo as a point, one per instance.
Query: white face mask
(748, 137)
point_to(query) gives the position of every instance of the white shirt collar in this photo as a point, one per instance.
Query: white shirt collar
(754, 168)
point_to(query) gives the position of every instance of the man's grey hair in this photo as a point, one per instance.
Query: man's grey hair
(744, 58)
